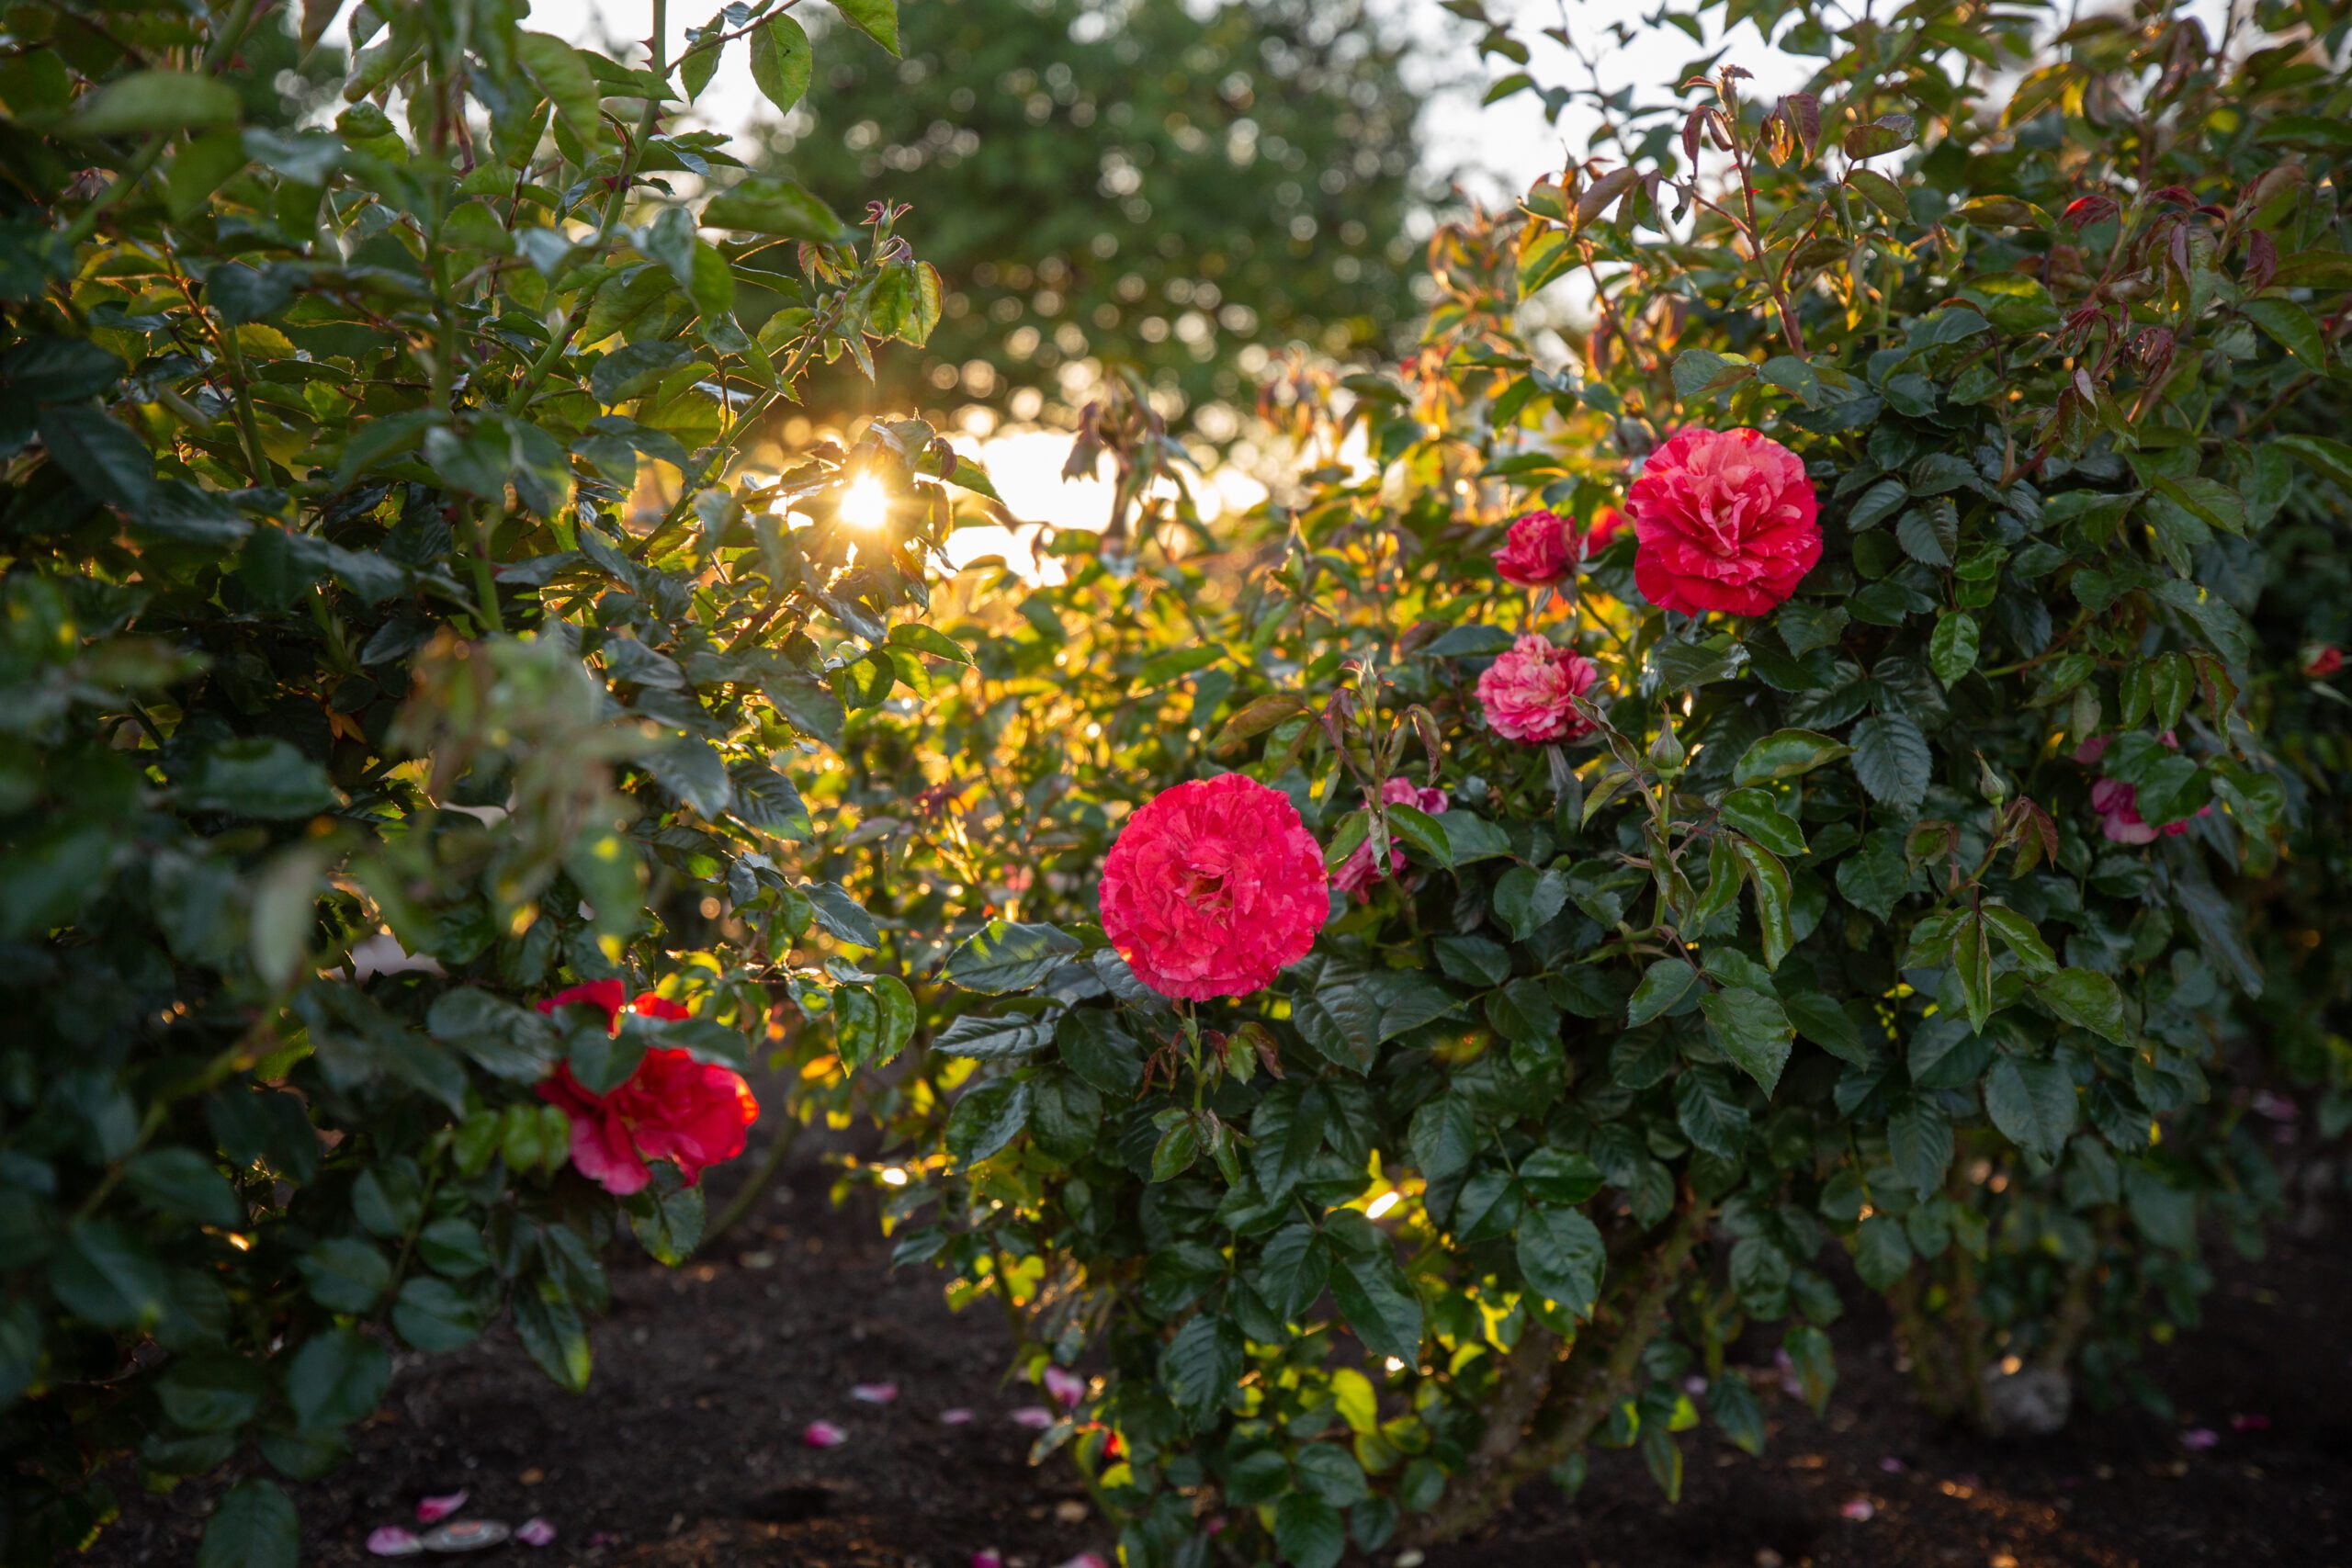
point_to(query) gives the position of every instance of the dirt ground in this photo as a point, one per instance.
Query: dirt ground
(686, 1452)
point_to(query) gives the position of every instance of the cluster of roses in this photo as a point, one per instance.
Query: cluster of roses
(1215, 885)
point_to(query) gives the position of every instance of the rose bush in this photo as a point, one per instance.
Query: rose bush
(1806, 964)
(389, 641)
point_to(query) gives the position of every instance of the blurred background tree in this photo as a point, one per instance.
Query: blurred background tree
(1182, 189)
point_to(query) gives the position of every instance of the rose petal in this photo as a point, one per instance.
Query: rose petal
(2199, 1438)
(391, 1540)
(959, 1416)
(1858, 1509)
(1086, 1560)
(1066, 1387)
(535, 1531)
(874, 1393)
(823, 1435)
(987, 1558)
(1892, 1465)
(1036, 1417)
(433, 1510)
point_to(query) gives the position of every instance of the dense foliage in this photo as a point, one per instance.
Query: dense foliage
(1892, 936)
(1180, 190)
(385, 649)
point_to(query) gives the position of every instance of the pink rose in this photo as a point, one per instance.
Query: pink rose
(1357, 873)
(2117, 804)
(1728, 520)
(1539, 550)
(1605, 524)
(1212, 888)
(1526, 692)
(691, 1113)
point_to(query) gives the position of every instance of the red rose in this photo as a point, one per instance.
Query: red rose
(1538, 552)
(1604, 527)
(690, 1112)
(614, 1000)
(1728, 520)
(2325, 662)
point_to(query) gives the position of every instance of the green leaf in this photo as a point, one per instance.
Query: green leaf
(1663, 985)
(2033, 1104)
(989, 1039)
(668, 1225)
(1754, 813)
(987, 1119)
(1560, 1178)
(1880, 192)
(1562, 1256)
(1004, 957)
(1892, 760)
(1768, 881)
(842, 915)
(553, 1335)
(1736, 1411)
(1881, 1252)
(1309, 1531)
(780, 62)
(261, 777)
(255, 1525)
(337, 1378)
(2087, 999)
(434, 1316)
(1527, 899)
(153, 103)
(771, 204)
(2292, 328)
(1377, 1301)
(1709, 1113)
(877, 19)
(1443, 1136)
(347, 1274)
(1951, 652)
(1787, 754)
(560, 72)
(1097, 1048)
(1200, 1366)
(1972, 963)
(1815, 1363)
(211, 1394)
(1753, 1031)
(1918, 1139)
(108, 1277)
(183, 1182)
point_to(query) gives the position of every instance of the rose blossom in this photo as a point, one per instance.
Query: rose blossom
(2118, 803)
(1357, 873)
(613, 999)
(2325, 662)
(1604, 526)
(1728, 520)
(691, 1113)
(1212, 888)
(1540, 550)
(1526, 691)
